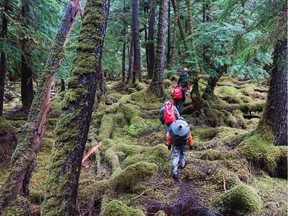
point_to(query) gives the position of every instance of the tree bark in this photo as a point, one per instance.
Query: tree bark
(169, 34)
(212, 81)
(136, 40)
(172, 61)
(150, 45)
(27, 94)
(3, 54)
(131, 61)
(273, 123)
(24, 157)
(73, 126)
(156, 86)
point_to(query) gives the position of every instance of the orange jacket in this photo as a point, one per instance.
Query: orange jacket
(190, 142)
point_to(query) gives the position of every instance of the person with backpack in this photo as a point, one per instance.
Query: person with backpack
(183, 81)
(168, 114)
(179, 137)
(177, 98)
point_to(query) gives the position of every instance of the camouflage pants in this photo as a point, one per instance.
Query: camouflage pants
(178, 158)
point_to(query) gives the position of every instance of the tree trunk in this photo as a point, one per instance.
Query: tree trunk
(27, 93)
(136, 39)
(172, 61)
(24, 157)
(212, 81)
(73, 126)
(3, 54)
(123, 61)
(150, 45)
(273, 123)
(169, 34)
(175, 4)
(156, 86)
(131, 61)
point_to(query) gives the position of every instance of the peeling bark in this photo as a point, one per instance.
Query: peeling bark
(73, 126)
(24, 157)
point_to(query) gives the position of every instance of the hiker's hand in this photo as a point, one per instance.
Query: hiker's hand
(190, 147)
(169, 147)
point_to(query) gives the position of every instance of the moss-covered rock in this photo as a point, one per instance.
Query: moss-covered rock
(225, 178)
(157, 154)
(211, 154)
(107, 124)
(241, 198)
(133, 175)
(118, 208)
(260, 152)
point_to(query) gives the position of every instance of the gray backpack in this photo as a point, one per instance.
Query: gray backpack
(179, 131)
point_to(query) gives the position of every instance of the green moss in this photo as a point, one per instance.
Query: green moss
(113, 160)
(128, 111)
(19, 207)
(118, 208)
(205, 134)
(6, 126)
(106, 128)
(133, 175)
(241, 198)
(157, 154)
(211, 154)
(137, 126)
(225, 177)
(229, 94)
(230, 120)
(260, 152)
(252, 107)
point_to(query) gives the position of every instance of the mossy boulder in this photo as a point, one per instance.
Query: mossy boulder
(260, 152)
(133, 175)
(118, 208)
(225, 178)
(137, 126)
(157, 154)
(211, 154)
(240, 199)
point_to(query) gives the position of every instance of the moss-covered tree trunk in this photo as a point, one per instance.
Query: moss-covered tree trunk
(273, 124)
(156, 86)
(27, 93)
(136, 40)
(3, 35)
(24, 156)
(150, 44)
(73, 126)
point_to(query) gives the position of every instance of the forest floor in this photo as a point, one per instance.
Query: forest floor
(127, 125)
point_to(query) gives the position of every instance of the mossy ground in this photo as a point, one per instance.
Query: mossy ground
(223, 157)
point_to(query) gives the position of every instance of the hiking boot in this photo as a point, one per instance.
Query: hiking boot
(175, 176)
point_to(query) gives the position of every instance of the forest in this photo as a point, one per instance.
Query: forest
(82, 84)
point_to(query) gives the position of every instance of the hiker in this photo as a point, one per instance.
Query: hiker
(168, 114)
(179, 138)
(178, 98)
(183, 81)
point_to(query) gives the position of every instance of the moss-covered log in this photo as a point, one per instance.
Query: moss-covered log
(73, 126)
(23, 160)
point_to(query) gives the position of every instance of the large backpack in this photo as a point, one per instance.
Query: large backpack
(169, 115)
(177, 93)
(179, 131)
